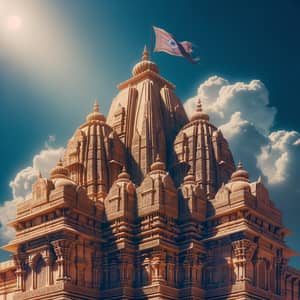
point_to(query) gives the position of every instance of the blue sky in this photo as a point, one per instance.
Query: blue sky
(67, 53)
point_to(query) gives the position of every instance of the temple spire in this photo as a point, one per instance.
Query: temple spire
(199, 105)
(240, 165)
(96, 106)
(145, 53)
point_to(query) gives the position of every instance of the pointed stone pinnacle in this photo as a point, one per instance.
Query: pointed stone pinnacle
(157, 157)
(240, 166)
(199, 105)
(96, 106)
(199, 114)
(145, 54)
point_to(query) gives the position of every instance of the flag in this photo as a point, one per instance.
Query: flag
(165, 42)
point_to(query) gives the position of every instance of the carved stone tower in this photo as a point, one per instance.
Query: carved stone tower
(148, 205)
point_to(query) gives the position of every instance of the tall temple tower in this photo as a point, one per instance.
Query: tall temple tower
(148, 204)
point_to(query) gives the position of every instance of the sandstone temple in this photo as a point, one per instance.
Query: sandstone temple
(148, 204)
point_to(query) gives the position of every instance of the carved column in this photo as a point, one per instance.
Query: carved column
(62, 250)
(96, 269)
(126, 269)
(281, 264)
(48, 259)
(171, 271)
(242, 253)
(187, 270)
(81, 269)
(155, 262)
(146, 271)
(33, 273)
(197, 270)
(20, 260)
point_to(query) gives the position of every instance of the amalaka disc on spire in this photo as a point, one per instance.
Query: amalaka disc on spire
(199, 114)
(59, 171)
(123, 174)
(95, 115)
(240, 174)
(158, 164)
(145, 64)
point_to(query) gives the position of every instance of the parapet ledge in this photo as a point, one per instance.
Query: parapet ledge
(61, 197)
(7, 265)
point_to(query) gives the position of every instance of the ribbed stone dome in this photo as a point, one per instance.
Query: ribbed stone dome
(239, 180)
(201, 150)
(59, 171)
(60, 176)
(95, 155)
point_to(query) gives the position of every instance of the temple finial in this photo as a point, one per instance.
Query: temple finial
(157, 159)
(123, 174)
(240, 166)
(199, 114)
(145, 54)
(199, 105)
(96, 106)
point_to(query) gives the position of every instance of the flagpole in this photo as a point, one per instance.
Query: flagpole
(151, 41)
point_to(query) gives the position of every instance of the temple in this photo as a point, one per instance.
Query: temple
(148, 204)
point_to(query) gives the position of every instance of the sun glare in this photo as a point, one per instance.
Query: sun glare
(13, 23)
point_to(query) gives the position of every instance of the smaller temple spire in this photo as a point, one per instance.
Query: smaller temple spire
(145, 53)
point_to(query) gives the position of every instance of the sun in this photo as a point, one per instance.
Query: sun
(13, 23)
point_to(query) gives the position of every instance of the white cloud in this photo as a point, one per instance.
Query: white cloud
(50, 141)
(278, 159)
(235, 126)
(221, 100)
(21, 186)
(7, 213)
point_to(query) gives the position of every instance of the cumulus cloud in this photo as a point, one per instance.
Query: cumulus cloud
(7, 213)
(21, 186)
(280, 156)
(242, 111)
(222, 99)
